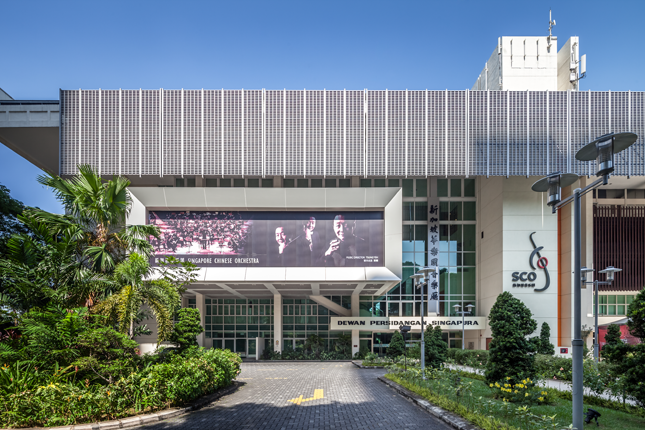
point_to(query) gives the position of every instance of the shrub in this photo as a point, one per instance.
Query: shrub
(525, 391)
(49, 399)
(511, 353)
(545, 346)
(477, 358)
(435, 347)
(397, 345)
(186, 330)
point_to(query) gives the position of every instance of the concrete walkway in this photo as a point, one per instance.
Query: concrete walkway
(321, 395)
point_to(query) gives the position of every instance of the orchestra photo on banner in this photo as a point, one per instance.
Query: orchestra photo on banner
(270, 239)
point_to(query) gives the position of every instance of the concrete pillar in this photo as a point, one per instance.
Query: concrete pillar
(200, 302)
(277, 322)
(356, 343)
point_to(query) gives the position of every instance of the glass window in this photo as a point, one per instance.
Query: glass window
(408, 211)
(288, 183)
(470, 211)
(407, 309)
(408, 188)
(442, 188)
(366, 183)
(238, 183)
(330, 183)
(253, 183)
(303, 183)
(611, 300)
(443, 210)
(620, 300)
(179, 182)
(393, 309)
(225, 182)
(316, 183)
(469, 188)
(422, 187)
(469, 280)
(267, 183)
(455, 188)
(344, 183)
(379, 183)
(421, 238)
(469, 237)
(456, 211)
(393, 183)
(408, 238)
(211, 182)
(421, 211)
(365, 309)
(190, 182)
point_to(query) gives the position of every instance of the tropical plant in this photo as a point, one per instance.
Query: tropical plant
(343, 345)
(545, 346)
(436, 348)
(397, 345)
(315, 344)
(636, 316)
(187, 328)
(137, 290)
(97, 208)
(10, 208)
(511, 352)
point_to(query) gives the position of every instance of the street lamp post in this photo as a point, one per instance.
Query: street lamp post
(602, 150)
(424, 273)
(463, 320)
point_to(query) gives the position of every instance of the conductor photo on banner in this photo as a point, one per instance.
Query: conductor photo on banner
(345, 245)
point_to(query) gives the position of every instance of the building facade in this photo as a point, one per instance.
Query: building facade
(307, 211)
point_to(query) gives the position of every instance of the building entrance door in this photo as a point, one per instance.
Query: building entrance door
(229, 344)
(240, 347)
(252, 348)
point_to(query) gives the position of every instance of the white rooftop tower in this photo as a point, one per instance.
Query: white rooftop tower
(521, 63)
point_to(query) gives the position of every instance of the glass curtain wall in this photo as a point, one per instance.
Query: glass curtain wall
(457, 245)
(303, 317)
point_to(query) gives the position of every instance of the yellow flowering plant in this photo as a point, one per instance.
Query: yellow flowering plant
(524, 391)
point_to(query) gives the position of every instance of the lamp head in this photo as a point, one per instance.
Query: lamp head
(417, 277)
(470, 307)
(457, 307)
(603, 149)
(426, 271)
(553, 184)
(583, 271)
(610, 270)
(404, 329)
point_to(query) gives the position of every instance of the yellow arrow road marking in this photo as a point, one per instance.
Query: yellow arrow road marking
(318, 394)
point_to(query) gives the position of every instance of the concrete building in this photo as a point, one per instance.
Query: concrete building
(237, 178)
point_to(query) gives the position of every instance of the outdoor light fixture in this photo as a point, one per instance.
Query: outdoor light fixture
(583, 272)
(610, 270)
(553, 184)
(592, 414)
(424, 273)
(603, 149)
(404, 330)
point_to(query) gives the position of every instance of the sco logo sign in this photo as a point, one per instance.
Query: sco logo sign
(527, 279)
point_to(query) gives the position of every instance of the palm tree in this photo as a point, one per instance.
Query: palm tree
(98, 208)
(136, 290)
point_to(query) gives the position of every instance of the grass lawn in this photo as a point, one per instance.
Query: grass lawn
(488, 406)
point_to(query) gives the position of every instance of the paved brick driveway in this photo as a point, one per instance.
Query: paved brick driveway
(352, 398)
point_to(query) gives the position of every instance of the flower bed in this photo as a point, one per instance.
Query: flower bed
(31, 398)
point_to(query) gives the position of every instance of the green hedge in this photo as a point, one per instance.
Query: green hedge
(31, 398)
(469, 357)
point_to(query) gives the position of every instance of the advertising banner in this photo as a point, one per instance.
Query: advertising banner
(393, 323)
(270, 239)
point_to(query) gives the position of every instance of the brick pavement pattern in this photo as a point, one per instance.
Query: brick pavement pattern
(352, 398)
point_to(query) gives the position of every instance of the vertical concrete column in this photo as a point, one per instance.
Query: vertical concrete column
(356, 312)
(200, 302)
(277, 322)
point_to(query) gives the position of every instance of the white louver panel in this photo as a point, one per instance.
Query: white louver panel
(324, 133)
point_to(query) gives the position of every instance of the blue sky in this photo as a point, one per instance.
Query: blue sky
(279, 44)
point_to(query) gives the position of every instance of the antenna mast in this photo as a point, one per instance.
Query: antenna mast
(551, 25)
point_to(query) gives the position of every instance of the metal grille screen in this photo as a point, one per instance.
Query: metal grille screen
(343, 133)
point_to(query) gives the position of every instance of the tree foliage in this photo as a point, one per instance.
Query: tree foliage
(186, 330)
(397, 345)
(436, 348)
(545, 346)
(10, 208)
(511, 352)
(636, 316)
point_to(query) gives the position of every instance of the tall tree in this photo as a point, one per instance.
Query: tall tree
(10, 208)
(99, 208)
(545, 345)
(436, 347)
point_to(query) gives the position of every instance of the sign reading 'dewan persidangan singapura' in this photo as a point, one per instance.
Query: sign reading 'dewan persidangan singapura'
(393, 323)
(270, 239)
